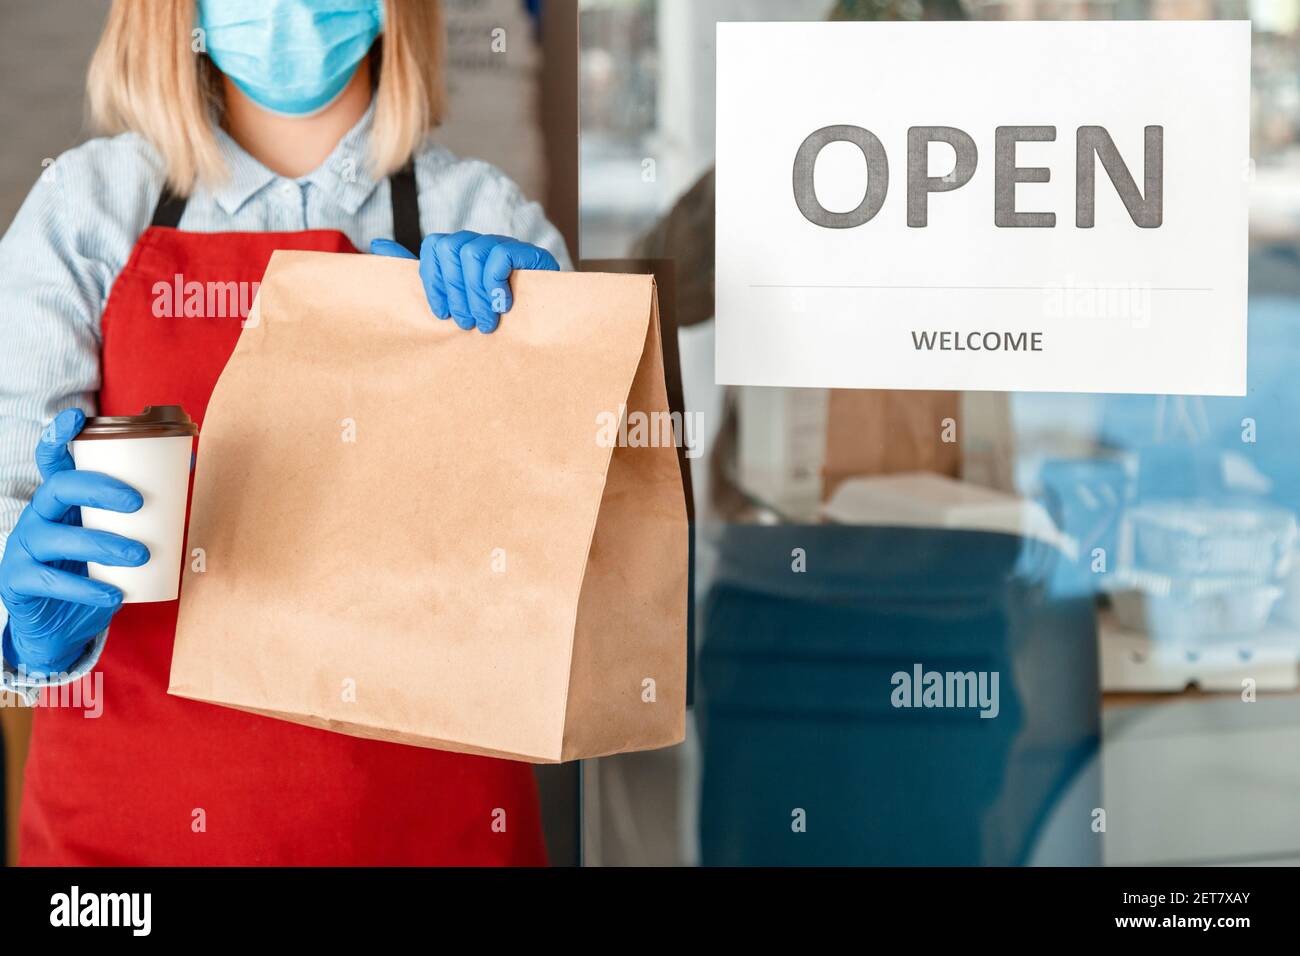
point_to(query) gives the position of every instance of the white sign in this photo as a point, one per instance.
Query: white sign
(1006, 206)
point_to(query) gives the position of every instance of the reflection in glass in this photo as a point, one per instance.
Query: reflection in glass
(1146, 650)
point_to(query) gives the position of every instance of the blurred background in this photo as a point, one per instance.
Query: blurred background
(1125, 564)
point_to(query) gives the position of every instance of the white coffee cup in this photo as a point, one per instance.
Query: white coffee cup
(151, 452)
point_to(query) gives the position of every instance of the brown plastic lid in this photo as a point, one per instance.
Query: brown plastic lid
(156, 421)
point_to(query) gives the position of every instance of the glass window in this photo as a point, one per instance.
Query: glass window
(1135, 626)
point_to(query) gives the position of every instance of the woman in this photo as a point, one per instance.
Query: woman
(244, 126)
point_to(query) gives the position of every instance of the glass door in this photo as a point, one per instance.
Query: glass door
(1110, 578)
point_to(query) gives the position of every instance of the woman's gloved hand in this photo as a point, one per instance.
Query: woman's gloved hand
(54, 609)
(467, 275)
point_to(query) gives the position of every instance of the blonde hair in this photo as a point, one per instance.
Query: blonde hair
(146, 78)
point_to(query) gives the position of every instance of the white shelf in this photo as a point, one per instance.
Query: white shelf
(1132, 661)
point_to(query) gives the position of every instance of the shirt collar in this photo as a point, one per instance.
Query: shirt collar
(344, 175)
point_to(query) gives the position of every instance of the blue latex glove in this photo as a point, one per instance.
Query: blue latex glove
(54, 609)
(466, 275)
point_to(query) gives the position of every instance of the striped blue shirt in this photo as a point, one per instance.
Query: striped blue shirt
(76, 230)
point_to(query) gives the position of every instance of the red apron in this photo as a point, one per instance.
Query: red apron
(159, 780)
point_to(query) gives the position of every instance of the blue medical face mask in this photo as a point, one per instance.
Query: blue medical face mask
(290, 56)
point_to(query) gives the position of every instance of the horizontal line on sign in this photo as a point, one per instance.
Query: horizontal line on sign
(991, 288)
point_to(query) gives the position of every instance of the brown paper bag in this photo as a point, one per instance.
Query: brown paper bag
(883, 431)
(419, 534)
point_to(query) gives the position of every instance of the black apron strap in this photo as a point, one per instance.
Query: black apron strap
(406, 207)
(169, 210)
(402, 187)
